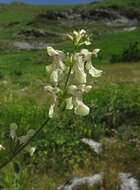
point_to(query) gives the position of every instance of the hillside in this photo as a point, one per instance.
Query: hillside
(33, 27)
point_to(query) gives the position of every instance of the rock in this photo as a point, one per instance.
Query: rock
(128, 182)
(95, 146)
(34, 33)
(130, 29)
(29, 46)
(109, 16)
(89, 181)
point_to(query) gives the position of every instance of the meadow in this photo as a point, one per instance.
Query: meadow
(114, 119)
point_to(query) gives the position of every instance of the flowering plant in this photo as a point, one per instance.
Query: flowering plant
(75, 69)
(68, 81)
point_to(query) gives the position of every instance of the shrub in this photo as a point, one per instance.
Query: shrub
(129, 54)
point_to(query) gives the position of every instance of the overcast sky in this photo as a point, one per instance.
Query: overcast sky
(49, 1)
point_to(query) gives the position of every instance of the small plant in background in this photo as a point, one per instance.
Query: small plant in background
(129, 54)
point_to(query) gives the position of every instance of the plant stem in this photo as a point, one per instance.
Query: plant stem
(67, 79)
(4, 164)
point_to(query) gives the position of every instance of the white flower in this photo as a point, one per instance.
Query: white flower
(54, 77)
(85, 88)
(68, 75)
(2, 147)
(82, 32)
(76, 100)
(81, 109)
(57, 68)
(92, 71)
(52, 52)
(72, 89)
(49, 89)
(53, 92)
(79, 70)
(88, 62)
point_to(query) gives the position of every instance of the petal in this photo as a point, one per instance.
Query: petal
(51, 51)
(82, 32)
(79, 70)
(51, 111)
(72, 89)
(69, 36)
(80, 76)
(76, 33)
(85, 88)
(2, 147)
(81, 109)
(49, 89)
(92, 71)
(86, 55)
(54, 77)
(95, 52)
(87, 43)
(61, 65)
(69, 104)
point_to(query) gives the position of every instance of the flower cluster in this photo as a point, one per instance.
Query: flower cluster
(69, 73)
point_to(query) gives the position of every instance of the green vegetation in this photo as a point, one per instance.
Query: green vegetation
(114, 119)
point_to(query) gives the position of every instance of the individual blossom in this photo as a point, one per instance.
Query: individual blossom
(75, 100)
(87, 58)
(83, 66)
(79, 69)
(53, 92)
(57, 67)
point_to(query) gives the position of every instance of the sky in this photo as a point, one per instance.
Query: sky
(49, 1)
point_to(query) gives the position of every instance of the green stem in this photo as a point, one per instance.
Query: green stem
(4, 164)
(67, 79)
